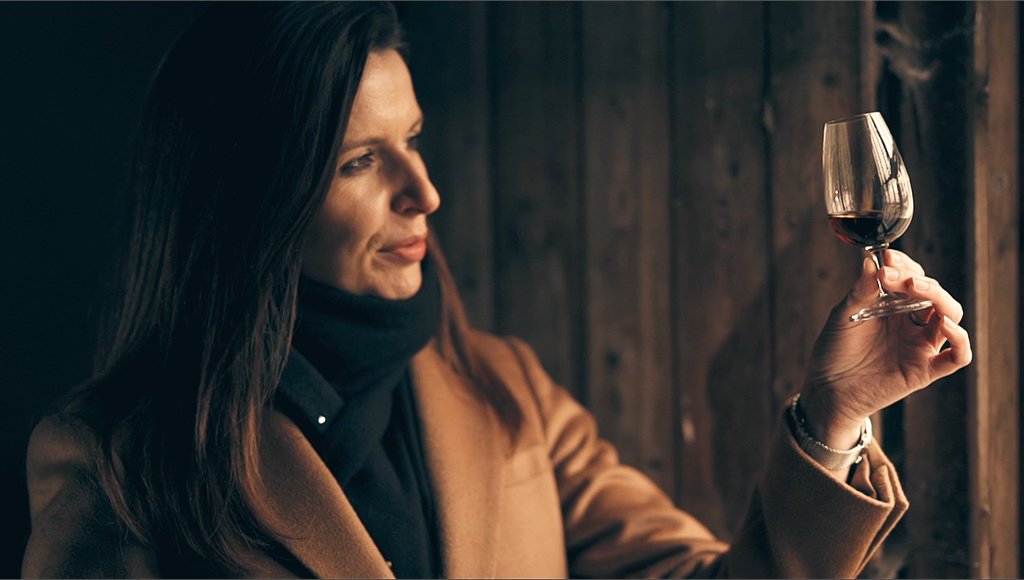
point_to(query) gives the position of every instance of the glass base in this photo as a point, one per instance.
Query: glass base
(890, 305)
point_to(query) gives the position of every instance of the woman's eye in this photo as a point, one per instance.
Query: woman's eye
(358, 164)
(414, 142)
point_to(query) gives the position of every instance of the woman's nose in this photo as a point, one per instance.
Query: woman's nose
(415, 192)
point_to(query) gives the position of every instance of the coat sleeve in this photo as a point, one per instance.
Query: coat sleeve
(74, 531)
(800, 522)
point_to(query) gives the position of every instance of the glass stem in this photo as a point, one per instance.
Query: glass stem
(876, 253)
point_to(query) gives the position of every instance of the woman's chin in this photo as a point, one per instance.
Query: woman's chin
(402, 285)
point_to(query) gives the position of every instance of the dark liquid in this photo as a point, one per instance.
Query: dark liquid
(867, 229)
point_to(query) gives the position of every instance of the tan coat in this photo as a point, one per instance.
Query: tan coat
(558, 504)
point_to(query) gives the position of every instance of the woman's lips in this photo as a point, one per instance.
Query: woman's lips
(408, 250)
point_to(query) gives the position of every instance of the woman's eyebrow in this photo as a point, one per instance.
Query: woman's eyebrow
(377, 140)
(361, 143)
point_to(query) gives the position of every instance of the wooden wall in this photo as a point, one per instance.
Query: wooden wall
(634, 188)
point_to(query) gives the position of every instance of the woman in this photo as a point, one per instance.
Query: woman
(291, 386)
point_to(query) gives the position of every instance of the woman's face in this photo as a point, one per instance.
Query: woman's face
(369, 236)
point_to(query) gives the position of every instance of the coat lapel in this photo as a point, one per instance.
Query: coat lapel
(462, 442)
(464, 451)
(320, 526)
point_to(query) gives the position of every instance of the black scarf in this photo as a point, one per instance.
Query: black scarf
(357, 342)
(347, 385)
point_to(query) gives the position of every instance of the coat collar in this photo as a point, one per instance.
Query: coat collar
(313, 518)
(318, 524)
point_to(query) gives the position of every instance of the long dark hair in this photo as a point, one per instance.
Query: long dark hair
(236, 152)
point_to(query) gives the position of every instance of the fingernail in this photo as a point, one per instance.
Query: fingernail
(895, 257)
(921, 284)
(891, 274)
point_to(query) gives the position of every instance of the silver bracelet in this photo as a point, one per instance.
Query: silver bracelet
(828, 457)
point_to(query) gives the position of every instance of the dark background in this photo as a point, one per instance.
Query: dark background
(631, 187)
(73, 78)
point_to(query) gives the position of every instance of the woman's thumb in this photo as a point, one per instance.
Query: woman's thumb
(865, 290)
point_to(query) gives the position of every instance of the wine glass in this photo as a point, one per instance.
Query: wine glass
(868, 197)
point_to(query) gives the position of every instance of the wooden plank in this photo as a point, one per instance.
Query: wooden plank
(625, 149)
(538, 290)
(931, 130)
(870, 60)
(888, 424)
(721, 256)
(995, 402)
(814, 50)
(448, 60)
(815, 72)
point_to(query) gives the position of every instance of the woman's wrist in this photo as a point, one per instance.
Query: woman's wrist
(826, 424)
(837, 461)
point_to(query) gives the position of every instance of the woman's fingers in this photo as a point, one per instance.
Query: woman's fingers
(865, 291)
(957, 356)
(898, 259)
(905, 282)
(935, 324)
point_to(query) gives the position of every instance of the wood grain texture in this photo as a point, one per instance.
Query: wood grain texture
(635, 189)
(994, 417)
(814, 53)
(448, 60)
(891, 558)
(538, 259)
(626, 150)
(721, 256)
(927, 54)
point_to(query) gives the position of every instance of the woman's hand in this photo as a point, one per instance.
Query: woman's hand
(857, 369)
